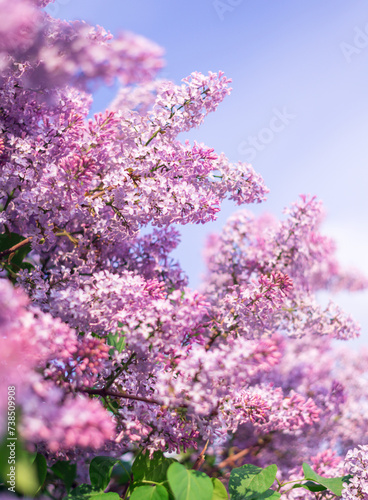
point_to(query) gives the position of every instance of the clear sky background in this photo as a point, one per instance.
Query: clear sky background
(305, 59)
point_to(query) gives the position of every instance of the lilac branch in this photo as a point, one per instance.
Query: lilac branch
(104, 392)
(16, 247)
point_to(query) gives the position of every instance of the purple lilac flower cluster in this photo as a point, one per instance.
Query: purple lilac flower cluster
(356, 463)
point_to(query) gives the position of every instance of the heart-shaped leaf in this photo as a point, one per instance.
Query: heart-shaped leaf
(41, 467)
(100, 471)
(156, 492)
(310, 486)
(333, 484)
(248, 482)
(219, 490)
(151, 469)
(189, 484)
(66, 472)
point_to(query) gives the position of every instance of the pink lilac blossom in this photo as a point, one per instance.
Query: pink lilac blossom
(50, 52)
(139, 98)
(64, 422)
(32, 342)
(17, 347)
(249, 249)
(99, 180)
(336, 383)
(18, 27)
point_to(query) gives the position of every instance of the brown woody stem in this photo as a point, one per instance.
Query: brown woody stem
(104, 392)
(233, 458)
(199, 462)
(15, 247)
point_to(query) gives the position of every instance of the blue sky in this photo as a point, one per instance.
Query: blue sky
(306, 60)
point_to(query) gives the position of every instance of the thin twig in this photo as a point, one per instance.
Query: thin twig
(255, 449)
(212, 340)
(15, 247)
(199, 462)
(104, 392)
(100, 193)
(233, 458)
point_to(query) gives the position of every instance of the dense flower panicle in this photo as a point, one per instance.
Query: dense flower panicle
(105, 312)
(178, 109)
(82, 367)
(335, 383)
(204, 378)
(52, 52)
(250, 249)
(356, 464)
(249, 308)
(241, 180)
(64, 422)
(288, 413)
(51, 177)
(32, 342)
(248, 245)
(19, 26)
(139, 98)
(17, 348)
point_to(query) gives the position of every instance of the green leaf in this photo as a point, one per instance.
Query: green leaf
(219, 490)
(14, 261)
(41, 467)
(116, 340)
(66, 472)
(87, 492)
(156, 492)
(8, 240)
(26, 479)
(310, 486)
(18, 468)
(153, 469)
(100, 470)
(122, 472)
(26, 265)
(189, 484)
(333, 484)
(269, 494)
(21, 254)
(248, 482)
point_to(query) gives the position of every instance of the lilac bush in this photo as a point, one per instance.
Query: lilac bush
(109, 349)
